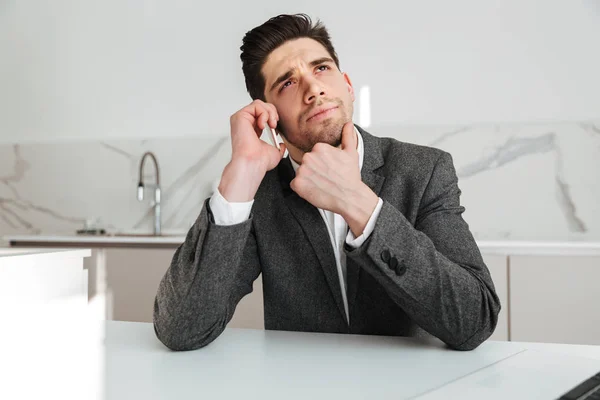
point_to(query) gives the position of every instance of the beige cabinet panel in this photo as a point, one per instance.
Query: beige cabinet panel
(250, 312)
(132, 277)
(125, 280)
(497, 264)
(555, 299)
(123, 284)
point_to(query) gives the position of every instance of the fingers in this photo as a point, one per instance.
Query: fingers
(265, 114)
(349, 138)
(258, 114)
(274, 155)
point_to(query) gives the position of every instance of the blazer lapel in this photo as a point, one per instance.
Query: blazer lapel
(315, 230)
(372, 160)
(314, 227)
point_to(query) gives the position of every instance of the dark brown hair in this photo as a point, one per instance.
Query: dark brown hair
(262, 40)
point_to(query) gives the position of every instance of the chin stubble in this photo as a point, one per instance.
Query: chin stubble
(329, 131)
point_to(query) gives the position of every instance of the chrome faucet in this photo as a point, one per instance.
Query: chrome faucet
(140, 190)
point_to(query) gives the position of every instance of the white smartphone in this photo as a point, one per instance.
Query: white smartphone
(274, 137)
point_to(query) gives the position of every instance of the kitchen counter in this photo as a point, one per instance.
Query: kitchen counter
(41, 254)
(540, 248)
(95, 241)
(503, 247)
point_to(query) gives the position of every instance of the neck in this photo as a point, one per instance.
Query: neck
(294, 153)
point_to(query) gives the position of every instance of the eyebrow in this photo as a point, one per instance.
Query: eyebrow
(289, 73)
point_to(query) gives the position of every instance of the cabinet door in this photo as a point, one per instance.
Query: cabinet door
(555, 299)
(132, 278)
(124, 281)
(250, 312)
(498, 267)
(42, 286)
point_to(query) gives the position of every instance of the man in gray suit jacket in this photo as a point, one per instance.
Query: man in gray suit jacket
(352, 233)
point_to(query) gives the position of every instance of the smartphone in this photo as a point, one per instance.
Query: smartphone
(274, 138)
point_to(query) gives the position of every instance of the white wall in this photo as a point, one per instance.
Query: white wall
(125, 68)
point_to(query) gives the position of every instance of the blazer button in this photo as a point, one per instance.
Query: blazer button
(393, 263)
(385, 256)
(401, 269)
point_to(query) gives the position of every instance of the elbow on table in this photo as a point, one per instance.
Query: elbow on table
(471, 341)
(178, 335)
(171, 340)
(182, 339)
(468, 345)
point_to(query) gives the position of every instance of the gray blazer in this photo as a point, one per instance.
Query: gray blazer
(419, 270)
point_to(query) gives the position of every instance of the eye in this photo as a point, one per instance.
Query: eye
(285, 85)
(322, 67)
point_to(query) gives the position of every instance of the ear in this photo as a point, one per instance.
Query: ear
(349, 85)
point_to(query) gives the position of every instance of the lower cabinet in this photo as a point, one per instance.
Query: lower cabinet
(123, 282)
(133, 276)
(497, 264)
(543, 298)
(250, 312)
(555, 299)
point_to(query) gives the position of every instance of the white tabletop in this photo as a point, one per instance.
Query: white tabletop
(243, 364)
(127, 361)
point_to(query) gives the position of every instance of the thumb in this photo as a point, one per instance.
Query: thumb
(282, 149)
(349, 139)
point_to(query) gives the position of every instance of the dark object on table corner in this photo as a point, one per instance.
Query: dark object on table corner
(588, 389)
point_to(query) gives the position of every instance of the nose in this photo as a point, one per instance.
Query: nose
(314, 91)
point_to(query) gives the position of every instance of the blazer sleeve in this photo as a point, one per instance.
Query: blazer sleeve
(434, 270)
(208, 276)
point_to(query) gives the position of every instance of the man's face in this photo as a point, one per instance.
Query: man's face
(301, 81)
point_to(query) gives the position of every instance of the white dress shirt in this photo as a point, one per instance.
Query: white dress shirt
(229, 213)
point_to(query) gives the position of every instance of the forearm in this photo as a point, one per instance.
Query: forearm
(240, 180)
(455, 302)
(198, 293)
(357, 207)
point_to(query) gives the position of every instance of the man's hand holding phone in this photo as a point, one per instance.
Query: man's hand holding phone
(251, 157)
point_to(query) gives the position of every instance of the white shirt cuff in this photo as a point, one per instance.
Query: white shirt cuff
(356, 242)
(229, 213)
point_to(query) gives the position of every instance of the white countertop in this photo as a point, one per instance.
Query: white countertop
(504, 247)
(94, 239)
(124, 360)
(10, 253)
(559, 248)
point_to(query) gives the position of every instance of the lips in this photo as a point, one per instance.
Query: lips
(320, 110)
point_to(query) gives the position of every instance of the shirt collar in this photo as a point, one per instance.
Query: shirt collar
(359, 148)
